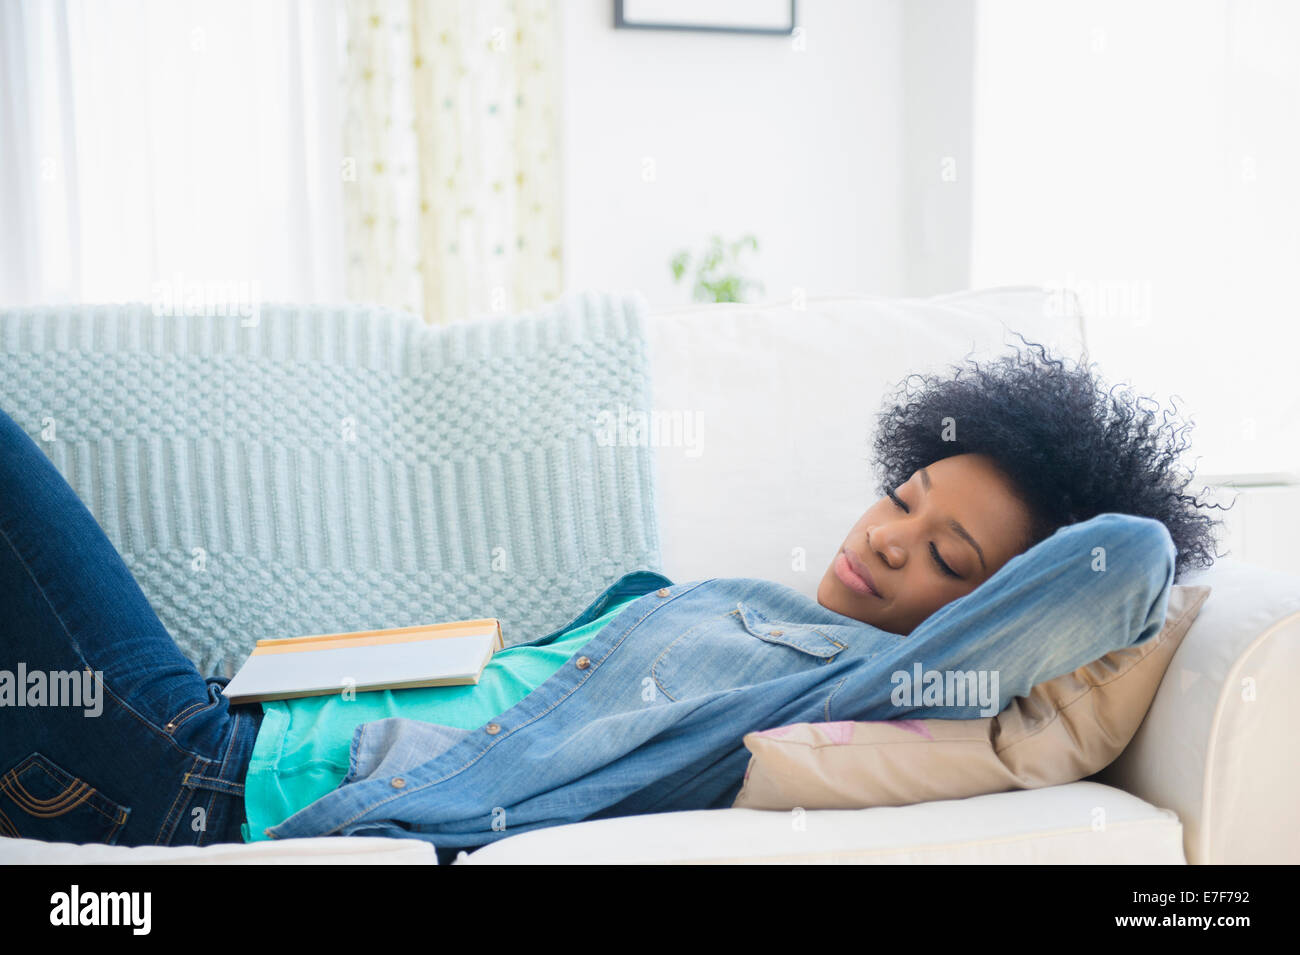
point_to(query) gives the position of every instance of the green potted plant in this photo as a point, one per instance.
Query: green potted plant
(718, 274)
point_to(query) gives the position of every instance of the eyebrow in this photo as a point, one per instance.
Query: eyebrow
(956, 525)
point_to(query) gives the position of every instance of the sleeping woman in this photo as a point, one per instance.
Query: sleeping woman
(1028, 522)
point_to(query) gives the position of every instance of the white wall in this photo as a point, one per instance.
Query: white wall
(745, 134)
(1144, 154)
(938, 107)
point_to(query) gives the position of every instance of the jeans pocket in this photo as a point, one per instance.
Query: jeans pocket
(41, 800)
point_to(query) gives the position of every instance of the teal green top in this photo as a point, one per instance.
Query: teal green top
(303, 745)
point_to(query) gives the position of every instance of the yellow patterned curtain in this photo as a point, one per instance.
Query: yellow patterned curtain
(451, 155)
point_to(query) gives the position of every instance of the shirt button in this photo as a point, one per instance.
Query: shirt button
(493, 728)
(661, 592)
(775, 633)
(582, 663)
(398, 782)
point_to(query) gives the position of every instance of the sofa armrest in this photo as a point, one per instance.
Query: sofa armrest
(1217, 746)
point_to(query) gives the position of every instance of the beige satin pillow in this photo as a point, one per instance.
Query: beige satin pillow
(1064, 730)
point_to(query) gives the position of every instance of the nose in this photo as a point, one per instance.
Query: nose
(892, 554)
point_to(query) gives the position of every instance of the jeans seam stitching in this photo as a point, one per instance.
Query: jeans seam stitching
(168, 827)
(176, 721)
(9, 783)
(221, 772)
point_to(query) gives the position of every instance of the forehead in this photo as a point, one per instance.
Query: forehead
(967, 468)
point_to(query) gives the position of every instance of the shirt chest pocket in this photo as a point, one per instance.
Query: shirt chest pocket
(740, 648)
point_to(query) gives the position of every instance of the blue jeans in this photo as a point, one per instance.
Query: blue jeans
(108, 734)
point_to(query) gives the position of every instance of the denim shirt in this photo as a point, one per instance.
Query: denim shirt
(650, 715)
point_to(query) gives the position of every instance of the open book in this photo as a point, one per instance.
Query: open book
(440, 654)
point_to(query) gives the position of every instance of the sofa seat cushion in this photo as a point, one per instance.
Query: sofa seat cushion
(323, 851)
(1081, 822)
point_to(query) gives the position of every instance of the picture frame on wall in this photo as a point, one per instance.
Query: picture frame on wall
(772, 17)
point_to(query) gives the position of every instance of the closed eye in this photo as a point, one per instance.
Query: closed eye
(944, 568)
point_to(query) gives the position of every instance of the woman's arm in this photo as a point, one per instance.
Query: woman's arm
(1090, 588)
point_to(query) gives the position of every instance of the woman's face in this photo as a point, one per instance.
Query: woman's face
(963, 508)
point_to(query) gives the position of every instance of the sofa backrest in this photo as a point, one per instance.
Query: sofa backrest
(766, 414)
(323, 468)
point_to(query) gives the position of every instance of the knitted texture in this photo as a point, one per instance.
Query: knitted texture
(327, 469)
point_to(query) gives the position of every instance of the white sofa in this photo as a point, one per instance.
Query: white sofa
(769, 471)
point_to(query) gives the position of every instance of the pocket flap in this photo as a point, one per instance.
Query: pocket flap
(801, 636)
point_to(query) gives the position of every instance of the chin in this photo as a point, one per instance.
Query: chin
(824, 589)
(829, 598)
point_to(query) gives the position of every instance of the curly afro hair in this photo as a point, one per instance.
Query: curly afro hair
(1070, 448)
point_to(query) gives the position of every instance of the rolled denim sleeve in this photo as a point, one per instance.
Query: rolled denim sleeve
(1091, 588)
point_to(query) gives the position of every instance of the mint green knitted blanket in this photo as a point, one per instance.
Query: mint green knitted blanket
(325, 469)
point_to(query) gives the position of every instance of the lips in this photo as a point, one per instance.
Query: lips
(854, 574)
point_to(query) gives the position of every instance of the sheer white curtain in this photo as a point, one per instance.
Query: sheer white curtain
(186, 145)
(1144, 155)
